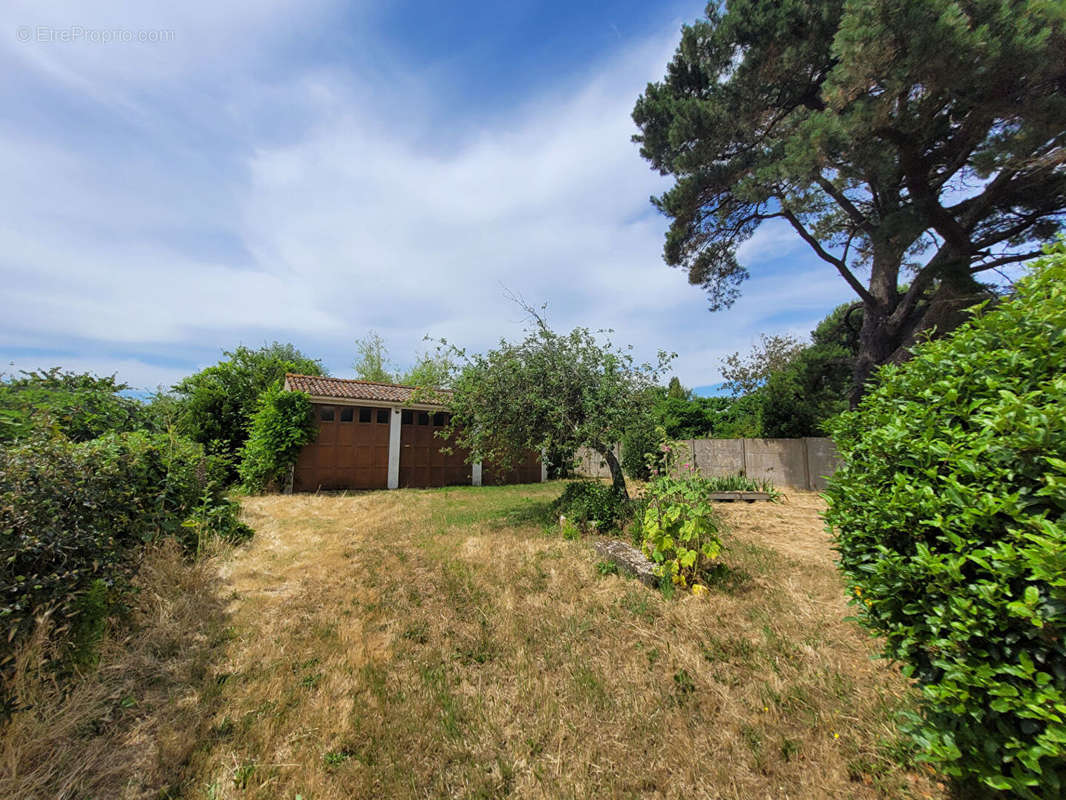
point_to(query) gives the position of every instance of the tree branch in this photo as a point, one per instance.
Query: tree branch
(1004, 234)
(845, 203)
(922, 193)
(918, 286)
(853, 282)
(1014, 258)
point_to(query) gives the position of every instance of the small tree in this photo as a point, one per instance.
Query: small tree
(430, 370)
(745, 374)
(675, 390)
(373, 361)
(950, 524)
(551, 392)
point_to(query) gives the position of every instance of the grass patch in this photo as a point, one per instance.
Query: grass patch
(438, 644)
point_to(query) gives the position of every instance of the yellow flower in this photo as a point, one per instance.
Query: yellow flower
(699, 589)
(836, 735)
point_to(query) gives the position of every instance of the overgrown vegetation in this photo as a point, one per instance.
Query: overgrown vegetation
(217, 403)
(77, 405)
(88, 477)
(950, 521)
(592, 506)
(282, 425)
(126, 724)
(679, 526)
(742, 483)
(76, 515)
(430, 370)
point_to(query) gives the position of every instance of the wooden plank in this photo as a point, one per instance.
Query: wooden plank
(730, 497)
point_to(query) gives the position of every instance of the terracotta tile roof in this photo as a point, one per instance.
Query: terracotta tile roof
(348, 389)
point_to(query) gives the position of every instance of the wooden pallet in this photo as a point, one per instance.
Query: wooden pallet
(735, 497)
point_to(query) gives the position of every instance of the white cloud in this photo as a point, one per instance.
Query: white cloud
(310, 208)
(773, 239)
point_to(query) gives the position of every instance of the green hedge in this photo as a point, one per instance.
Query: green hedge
(950, 520)
(74, 515)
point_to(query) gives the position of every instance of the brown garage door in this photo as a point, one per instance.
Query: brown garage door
(351, 450)
(422, 464)
(527, 471)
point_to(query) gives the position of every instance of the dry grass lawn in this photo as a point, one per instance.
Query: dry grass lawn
(445, 644)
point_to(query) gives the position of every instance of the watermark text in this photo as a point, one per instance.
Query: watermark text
(72, 34)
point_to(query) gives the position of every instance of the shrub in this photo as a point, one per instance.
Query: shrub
(75, 514)
(680, 526)
(216, 404)
(283, 423)
(638, 442)
(81, 406)
(591, 504)
(950, 520)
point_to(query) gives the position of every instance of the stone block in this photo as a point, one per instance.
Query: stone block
(629, 560)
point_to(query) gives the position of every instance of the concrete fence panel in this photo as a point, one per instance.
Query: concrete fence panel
(590, 464)
(795, 463)
(783, 461)
(717, 457)
(822, 461)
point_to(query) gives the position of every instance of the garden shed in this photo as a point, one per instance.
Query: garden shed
(385, 436)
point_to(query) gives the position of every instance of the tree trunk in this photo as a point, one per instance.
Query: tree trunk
(885, 338)
(878, 342)
(878, 337)
(947, 308)
(618, 480)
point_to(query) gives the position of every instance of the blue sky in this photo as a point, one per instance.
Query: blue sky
(307, 171)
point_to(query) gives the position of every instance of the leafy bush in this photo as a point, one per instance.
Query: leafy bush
(591, 504)
(950, 520)
(680, 527)
(75, 514)
(282, 425)
(217, 403)
(81, 406)
(678, 524)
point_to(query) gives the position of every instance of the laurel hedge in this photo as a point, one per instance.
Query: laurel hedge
(949, 517)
